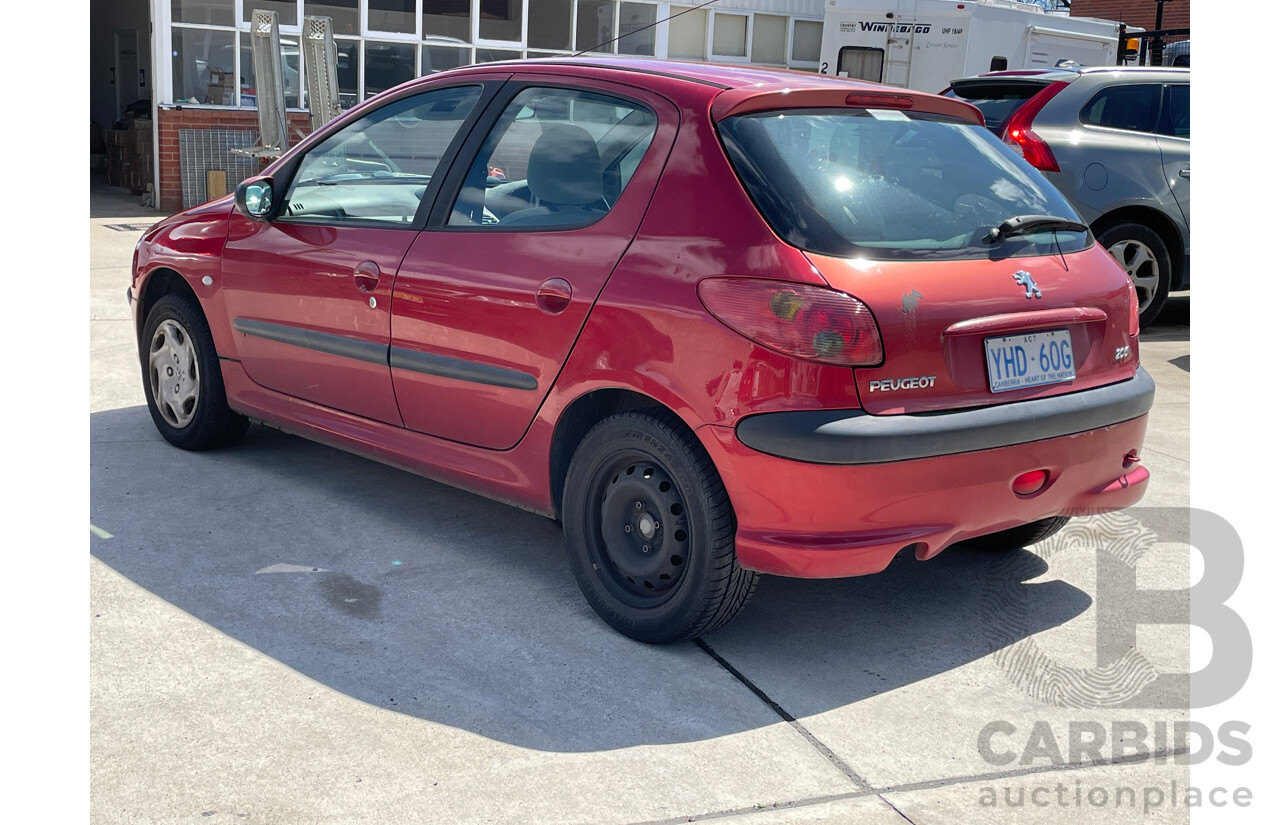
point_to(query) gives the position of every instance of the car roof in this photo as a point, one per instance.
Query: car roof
(726, 76)
(1068, 75)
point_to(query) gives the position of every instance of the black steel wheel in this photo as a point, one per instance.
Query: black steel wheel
(182, 378)
(649, 530)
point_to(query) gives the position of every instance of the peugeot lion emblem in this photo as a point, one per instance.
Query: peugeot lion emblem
(1023, 278)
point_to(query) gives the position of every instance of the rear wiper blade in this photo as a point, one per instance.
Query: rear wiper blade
(1023, 224)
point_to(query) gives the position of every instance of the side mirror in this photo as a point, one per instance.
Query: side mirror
(254, 199)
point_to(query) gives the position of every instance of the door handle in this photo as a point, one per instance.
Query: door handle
(1185, 172)
(367, 276)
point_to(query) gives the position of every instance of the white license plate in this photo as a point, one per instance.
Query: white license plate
(1018, 361)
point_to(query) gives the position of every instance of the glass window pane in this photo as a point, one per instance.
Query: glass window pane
(1175, 119)
(1132, 108)
(595, 26)
(493, 55)
(378, 168)
(348, 72)
(286, 10)
(214, 12)
(447, 18)
(387, 65)
(556, 159)
(687, 37)
(729, 35)
(439, 58)
(636, 28)
(807, 44)
(392, 15)
(501, 19)
(291, 67)
(344, 13)
(769, 39)
(549, 24)
(204, 67)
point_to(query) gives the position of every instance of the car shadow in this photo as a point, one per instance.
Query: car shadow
(423, 599)
(1174, 321)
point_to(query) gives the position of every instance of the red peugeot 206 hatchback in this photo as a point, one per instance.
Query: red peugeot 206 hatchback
(719, 321)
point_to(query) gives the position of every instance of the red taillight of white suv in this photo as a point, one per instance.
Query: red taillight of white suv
(1018, 134)
(809, 322)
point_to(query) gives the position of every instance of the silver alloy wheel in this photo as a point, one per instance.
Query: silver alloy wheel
(1142, 267)
(175, 374)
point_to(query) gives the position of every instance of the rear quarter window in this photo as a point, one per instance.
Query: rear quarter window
(1133, 108)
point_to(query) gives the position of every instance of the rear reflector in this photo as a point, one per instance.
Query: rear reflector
(1032, 482)
(1134, 314)
(809, 322)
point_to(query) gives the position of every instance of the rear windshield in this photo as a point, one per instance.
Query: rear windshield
(891, 185)
(996, 101)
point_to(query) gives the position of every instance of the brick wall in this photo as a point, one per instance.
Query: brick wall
(170, 121)
(1177, 13)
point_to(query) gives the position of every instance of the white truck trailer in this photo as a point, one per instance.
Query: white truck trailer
(925, 44)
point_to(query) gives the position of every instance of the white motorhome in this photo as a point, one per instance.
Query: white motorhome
(925, 44)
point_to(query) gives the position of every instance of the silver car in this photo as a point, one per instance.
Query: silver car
(1117, 142)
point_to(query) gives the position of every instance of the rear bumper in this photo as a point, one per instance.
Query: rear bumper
(854, 437)
(826, 520)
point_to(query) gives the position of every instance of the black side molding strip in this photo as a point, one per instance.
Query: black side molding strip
(326, 342)
(854, 437)
(388, 356)
(462, 370)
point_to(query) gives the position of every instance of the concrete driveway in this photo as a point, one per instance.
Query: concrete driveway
(283, 633)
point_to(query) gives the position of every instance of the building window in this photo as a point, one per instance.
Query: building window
(345, 14)
(595, 26)
(286, 10)
(439, 58)
(207, 12)
(204, 67)
(635, 28)
(447, 18)
(550, 24)
(769, 39)
(398, 16)
(729, 35)
(502, 20)
(806, 42)
(290, 63)
(687, 34)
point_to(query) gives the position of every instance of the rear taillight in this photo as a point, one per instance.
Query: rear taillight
(1018, 134)
(809, 322)
(1133, 309)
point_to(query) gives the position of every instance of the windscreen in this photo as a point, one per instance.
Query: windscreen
(892, 185)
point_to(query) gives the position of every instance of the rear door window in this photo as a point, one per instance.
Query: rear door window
(557, 158)
(891, 184)
(1133, 108)
(1175, 115)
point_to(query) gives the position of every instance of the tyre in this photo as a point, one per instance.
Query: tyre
(649, 530)
(182, 378)
(1145, 258)
(1016, 538)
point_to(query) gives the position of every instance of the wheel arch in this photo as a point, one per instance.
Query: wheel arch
(160, 282)
(1157, 222)
(577, 419)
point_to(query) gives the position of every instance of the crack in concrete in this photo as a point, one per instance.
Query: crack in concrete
(931, 784)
